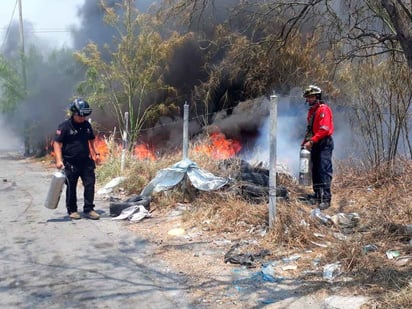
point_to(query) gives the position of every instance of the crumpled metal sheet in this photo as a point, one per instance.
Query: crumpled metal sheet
(169, 177)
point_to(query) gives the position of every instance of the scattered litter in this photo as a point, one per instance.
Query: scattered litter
(370, 248)
(248, 259)
(340, 236)
(133, 213)
(316, 261)
(140, 215)
(116, 206)
(292, 258)
(330, 271)
(108, 188)
(324, 219)
(403, 260)
(240, 274)
(343, 220)
(319, 245)
(169, 177)
(391, 254)
(176, 231)
(290, 267)
(268, 301)
(268, 273)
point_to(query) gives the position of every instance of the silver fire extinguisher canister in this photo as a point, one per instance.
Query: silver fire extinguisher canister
(55, 189)
(304, 167)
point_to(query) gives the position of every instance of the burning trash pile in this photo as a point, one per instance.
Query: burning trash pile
(252, 182)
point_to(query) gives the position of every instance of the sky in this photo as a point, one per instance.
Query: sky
(50, 18)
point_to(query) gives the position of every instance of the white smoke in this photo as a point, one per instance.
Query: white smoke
(9, 141)
(291, 127)
(287, 154)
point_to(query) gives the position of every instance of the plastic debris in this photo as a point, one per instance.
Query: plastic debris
(330, 271)
(291, 258)
(176, 232)
(343, 220)
(340, 236)
(268, 273)
(369, 248)
(319, 244)
(247, 259)
(403, 260)
(391, 254)
(108, 188)
(169, 177)
(290, 267)
(322, 218)
(133, 213)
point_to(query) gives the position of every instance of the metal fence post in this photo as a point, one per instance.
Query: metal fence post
(272, 159)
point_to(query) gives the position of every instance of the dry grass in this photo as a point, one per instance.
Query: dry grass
(381, 199)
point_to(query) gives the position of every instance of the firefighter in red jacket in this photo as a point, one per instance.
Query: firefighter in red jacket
(318, 140)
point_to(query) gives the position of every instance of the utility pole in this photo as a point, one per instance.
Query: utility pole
(22, 55)
(23, 72)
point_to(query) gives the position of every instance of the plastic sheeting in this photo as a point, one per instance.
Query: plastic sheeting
(169, 177)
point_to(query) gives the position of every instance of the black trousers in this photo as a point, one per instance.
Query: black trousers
(84, 170)
(322, 170)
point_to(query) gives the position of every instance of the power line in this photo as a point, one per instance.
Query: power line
(43, 30)
(8, 27)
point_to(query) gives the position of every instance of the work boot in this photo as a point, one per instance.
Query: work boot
(324, 205)
(92, 215)
(313, 199)
(75, 216)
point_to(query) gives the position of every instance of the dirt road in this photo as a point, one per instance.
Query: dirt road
(49, 261)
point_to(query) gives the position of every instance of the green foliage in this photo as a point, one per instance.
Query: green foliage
(11, 85)
(131, 74)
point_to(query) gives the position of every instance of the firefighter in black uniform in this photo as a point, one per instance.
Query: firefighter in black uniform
(73, 147)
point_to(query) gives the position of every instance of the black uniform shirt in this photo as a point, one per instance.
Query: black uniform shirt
(75, 139)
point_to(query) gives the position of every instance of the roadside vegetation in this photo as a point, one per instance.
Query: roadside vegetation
(380, 200)
(139, 72)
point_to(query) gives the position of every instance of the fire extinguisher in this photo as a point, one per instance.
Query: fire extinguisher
(304, 167)
(55, 189)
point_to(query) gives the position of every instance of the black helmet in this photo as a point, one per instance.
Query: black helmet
(312, 90)
(80, 107)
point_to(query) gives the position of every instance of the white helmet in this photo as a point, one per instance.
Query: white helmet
(312, 90)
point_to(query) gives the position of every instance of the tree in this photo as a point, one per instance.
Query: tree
(365, 38)
(130, 78)
(381, 110)
(366, 28)
(11, 85)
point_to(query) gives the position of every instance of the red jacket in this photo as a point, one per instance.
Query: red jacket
(322, 125)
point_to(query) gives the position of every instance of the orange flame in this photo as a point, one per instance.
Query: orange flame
(142, 152)
(219, 147)
(101, 147)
